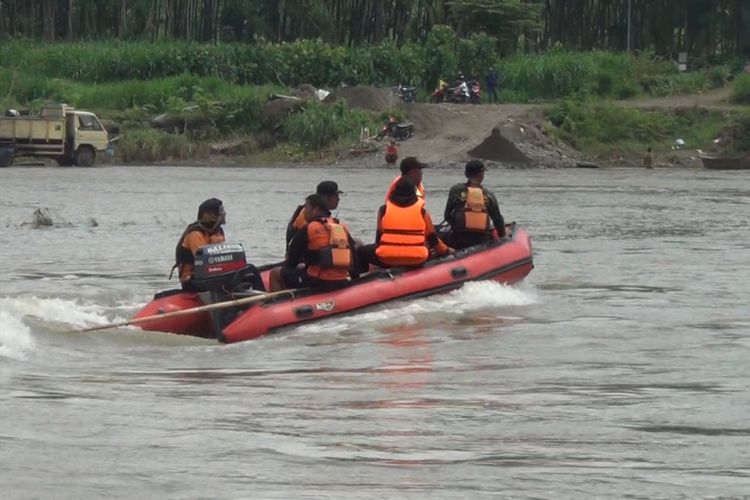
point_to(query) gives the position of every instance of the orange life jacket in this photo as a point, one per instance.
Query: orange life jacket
(329, 241)
(473, 216)
(184, 258)
(403, 241)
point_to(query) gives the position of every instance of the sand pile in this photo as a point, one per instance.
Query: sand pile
(364, 97)
(498, 148)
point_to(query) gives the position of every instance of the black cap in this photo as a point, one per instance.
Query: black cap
(328, 188)
(410, 163)
(473, 168)
(211, 206)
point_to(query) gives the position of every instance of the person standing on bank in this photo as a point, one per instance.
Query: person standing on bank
(492, 81)
(648, 159)
(472, 210)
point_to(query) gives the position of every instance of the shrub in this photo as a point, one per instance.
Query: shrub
(319, 125)
(741, 89)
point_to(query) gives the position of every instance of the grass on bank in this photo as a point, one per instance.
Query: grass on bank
(606, 128)
(741, 89)
(554, 74)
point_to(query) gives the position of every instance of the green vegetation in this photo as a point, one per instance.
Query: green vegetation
(600, 128)
(318, 126)
(741, 89)
(207, 92)
(550, 75)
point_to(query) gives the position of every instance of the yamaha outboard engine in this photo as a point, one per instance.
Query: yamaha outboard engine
(219, 266)
(220, 270)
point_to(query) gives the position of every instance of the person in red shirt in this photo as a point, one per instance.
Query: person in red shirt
(391, 152)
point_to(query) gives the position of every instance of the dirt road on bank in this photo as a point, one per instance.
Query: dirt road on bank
(509, 134)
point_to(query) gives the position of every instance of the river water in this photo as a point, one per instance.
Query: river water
(618, 368)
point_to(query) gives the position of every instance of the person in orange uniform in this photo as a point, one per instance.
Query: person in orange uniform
(405, 235)
(329, 190)
(205, 230)
(411, 168)
(323, 245)
(472, 210)
(391, 152)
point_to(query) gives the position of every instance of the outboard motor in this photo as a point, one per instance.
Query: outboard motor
(219, 266)
(220, 269)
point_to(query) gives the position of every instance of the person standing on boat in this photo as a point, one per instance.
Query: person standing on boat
(323, 245)
(472, 210)
(329, 190)
(411, 168)
(405, 234)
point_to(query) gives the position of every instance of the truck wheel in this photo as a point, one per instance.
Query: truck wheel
(64, 161)
(85, 156)
(6, 157)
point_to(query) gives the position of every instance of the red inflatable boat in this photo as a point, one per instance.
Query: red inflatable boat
(507, 261)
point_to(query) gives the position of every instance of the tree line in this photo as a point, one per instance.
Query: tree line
(704, 28)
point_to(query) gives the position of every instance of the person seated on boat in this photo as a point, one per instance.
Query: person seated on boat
(323, 245)
(405, 234)
(472, 210)
(329, 190)
(411, 168)
(204, 231)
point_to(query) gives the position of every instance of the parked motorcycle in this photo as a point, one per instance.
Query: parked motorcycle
(438, 95)
(460, 93)
(407, 93)
(392, 128)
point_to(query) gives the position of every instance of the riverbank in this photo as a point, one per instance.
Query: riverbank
(559, 134)
(168, 105)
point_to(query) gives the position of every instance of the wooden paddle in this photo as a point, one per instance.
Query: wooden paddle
(193, 310)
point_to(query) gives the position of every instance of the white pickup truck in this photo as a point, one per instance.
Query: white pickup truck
(60, 132)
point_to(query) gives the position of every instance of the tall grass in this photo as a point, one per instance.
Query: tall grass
(597, 127)
(318, 125)
(151, 145)
(529, 77)
(741, 89)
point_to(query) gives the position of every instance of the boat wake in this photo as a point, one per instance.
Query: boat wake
(473, 297)
(16, 341)
(21, 317)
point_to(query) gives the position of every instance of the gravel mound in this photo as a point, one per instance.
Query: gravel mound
(364, 97)
(498, 148)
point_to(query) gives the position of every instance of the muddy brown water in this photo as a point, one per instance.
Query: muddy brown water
(618, 368)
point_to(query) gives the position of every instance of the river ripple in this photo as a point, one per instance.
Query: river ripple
(618, 368)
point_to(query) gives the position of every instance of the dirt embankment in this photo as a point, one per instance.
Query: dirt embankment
(510, 135)
(445, 134)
